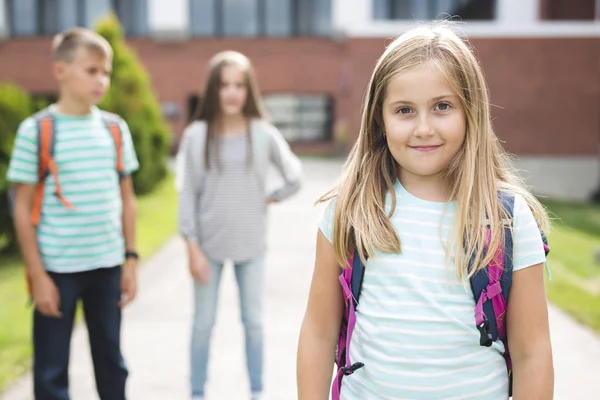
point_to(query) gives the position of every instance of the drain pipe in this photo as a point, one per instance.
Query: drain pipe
(595, 197)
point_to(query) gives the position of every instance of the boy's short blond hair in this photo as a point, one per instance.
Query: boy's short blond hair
(66, 44)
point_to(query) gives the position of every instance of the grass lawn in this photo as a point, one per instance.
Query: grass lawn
(156, 223)
(574, 240)
(15, 329)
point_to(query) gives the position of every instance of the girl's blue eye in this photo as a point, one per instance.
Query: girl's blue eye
(403, 110)
(443, 106)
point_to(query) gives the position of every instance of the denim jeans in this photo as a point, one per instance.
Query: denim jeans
(100, 292)
(250, 280)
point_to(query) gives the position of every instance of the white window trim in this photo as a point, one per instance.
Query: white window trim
(540, 29)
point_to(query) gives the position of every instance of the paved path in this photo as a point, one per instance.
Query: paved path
(157, 326)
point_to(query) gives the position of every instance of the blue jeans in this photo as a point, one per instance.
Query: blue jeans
(250, 280)
(100, 292)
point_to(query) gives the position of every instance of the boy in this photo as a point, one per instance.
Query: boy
(84, 229)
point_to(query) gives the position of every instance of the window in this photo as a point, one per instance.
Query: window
(44, 17)
(133, 15)
(432, 9)
(203, 17)
(240, 17)
(23, 17)
(301, 118)
(8, 17)
(313, 17)
(192, 106)
(278, 17)
(93, 10)
(47, 17)
(321, 17)
(251, 18)
(571, 10)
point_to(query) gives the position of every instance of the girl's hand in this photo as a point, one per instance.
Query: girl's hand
(199, 268)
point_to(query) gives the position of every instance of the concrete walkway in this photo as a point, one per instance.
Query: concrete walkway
(157, 326)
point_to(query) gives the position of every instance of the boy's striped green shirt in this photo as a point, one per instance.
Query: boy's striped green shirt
(88, 236)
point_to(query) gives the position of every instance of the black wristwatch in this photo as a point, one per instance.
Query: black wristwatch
(131, 254)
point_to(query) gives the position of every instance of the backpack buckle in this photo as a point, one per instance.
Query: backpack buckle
(351, 369)
(485, 338)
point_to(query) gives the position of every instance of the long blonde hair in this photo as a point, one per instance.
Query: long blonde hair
(209, 107)
(480, 170)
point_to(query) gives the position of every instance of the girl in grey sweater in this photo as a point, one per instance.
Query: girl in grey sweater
(223, 162)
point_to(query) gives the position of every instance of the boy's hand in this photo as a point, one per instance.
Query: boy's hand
(46, 297)
(199, 267)
(128, 282)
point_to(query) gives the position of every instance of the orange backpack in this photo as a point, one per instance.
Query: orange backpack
(47, 166)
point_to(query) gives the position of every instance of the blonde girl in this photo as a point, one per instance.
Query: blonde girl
(419, 187)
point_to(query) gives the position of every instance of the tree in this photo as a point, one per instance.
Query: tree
(131, 96)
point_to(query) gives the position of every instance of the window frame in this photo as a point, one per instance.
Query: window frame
(295, 29)
(391, 8)
(300, 109)
(134, 23)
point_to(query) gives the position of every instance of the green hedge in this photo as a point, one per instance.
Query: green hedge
(131, 96)
(15, 106)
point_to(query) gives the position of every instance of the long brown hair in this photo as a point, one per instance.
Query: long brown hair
(480, 169)
(209, 107)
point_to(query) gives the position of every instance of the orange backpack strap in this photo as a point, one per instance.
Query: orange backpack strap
(45, 133)
(112, 124)
(46, 165)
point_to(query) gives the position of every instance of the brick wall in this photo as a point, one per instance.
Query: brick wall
(545, 92)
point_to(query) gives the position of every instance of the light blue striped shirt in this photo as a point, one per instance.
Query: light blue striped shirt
(88, 236)
(415, 330)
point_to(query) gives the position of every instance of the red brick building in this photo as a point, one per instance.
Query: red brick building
(314, 57)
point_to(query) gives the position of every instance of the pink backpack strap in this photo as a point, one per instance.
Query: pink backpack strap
(345, 366)
(492, 292)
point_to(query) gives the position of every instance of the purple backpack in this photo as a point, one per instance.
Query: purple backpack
(490, 287)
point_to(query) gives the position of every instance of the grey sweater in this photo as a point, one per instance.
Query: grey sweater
(224, 208)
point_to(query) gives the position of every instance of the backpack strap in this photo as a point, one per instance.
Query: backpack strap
(358, 274)
(351, 280)
(494, 281)
(112, 122)
(46, 164)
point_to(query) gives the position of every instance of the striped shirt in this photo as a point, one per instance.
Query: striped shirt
(224, 208)
(415, 330)
(88, 236)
